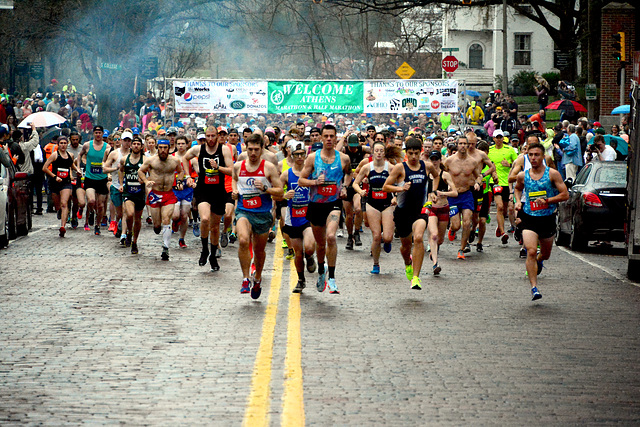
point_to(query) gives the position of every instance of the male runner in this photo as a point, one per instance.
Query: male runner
(161, 199)
(352, 203)
(214, 161)
(255, 181)
(503, 157)
(112, 166)
(411, 179)
(77, 192)
(328, 173)
(95, 181)
(184, 196)
(538, 192)
(478, 196)
(133, 193)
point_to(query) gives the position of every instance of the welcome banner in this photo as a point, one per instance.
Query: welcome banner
(336, 96)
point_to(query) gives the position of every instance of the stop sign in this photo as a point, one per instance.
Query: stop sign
(450, 64)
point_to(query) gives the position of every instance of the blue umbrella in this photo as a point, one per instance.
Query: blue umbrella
(623, 147)
(473, 93)
(621, 109)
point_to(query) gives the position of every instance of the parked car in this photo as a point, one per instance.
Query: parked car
(596, 209)
(14, 204)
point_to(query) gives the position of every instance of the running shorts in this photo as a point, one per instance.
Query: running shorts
(543, 226)
(317, 213)
(260, 221)
(158, 199)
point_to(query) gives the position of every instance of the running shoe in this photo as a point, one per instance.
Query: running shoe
(252, 271)
(91, 218)
(213, 262)
(204, 255)
(164, 256)
(246, 286)
(299, 287)
(504, 238)
(511, 229)
(284, 244)
(311, 264)
(181, 243)
(119, 228)
(175, 226)
(59, 214)
(256, 290)
(96, 230)
(461, 255)
(333, 288)
(149, 220)
(436, 269)
(479, 247)
(356, 239)
(523, 252)
(349, 245)
(224, 239)
(498, 233)
(127, 242)
(62, 231)
(452, 235)
(272, 235)
(340, 232)
(134, 248)
(376, 269)
(387, 247)
(74, 223)
(321, 284)
(472, 236)
(218, 253)
(408, 271)
(86, 227)
(467, 249)
(540, 266)
(123, 241)
(535, 293)
(104, 222)
(232, 238)
(291, 254)
(79, 214)
(517, 234)
(196, 229)
(415, 283)
(488, 219)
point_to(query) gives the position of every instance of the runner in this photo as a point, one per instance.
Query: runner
(229, 213)
(487, 197)
(184, 195)
(151, 150)
(161, 199)
(411, 180)
(537, 193)
(255, 181)
(95, 181)
(133, 193)
(379, 203)
(438, 211)
(503, 157)
(77, 180)
(214, 159)
(112, 166)
(281, 205)
(60, 180)
(352, 203)
(467, 178)
(296, 225)
(483, 163)
(328, 173)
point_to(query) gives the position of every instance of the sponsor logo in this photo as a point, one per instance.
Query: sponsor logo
(377, 105)
(200, 89)
(448, 103)
(277, 96)
(188, 97)
(194, 96)
(394, 104)
(179, 88)
(409, 103)
(237, 104)
(435, 104)
(424, 100)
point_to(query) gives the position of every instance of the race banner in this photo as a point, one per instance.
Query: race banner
(220, 96)
(410, 96)
(315, 96)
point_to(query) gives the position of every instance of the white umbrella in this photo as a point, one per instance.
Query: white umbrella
(43, 119)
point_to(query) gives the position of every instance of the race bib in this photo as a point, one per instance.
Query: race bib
(252, 203)
(453, 211)
(134, 187)
(95, 168)
(328, 190)
(534, 203)
(379, 195)
(300, 212)
(211, 176)
(63, 173)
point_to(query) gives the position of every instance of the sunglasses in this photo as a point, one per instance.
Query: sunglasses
(298, 154)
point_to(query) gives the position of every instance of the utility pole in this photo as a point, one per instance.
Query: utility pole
(505, 69)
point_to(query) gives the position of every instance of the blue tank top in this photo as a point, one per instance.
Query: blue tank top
(296, 214)
(94, 162)
(540, 188)
(333, 175)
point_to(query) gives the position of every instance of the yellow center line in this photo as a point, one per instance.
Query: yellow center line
(293, 397)
(257, 412)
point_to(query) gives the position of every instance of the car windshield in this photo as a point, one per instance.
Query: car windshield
(616, 175)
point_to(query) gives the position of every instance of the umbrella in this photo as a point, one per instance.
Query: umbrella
(473, 93)
(566, 105)
(43, 119)
(623, 147)
(621, 109)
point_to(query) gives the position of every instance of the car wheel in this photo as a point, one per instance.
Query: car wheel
(22, 230)
(578, 240)
(11, 223)
(4, 238)
(562, 238)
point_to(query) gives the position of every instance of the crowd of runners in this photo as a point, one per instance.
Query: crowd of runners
(311, 183)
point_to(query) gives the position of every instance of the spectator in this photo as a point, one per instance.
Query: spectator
(54, 105)
(571, 155)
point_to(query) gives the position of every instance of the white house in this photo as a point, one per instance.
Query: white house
(477, 34)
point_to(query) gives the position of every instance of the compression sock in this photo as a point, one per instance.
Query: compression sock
(320, 268)
(157, 230)
(301, 275)
(166, 235)
(205, 244)
(332, 272)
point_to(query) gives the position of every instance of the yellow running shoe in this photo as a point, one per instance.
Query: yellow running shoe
(408, 270)
(415, 283)
(284, 244)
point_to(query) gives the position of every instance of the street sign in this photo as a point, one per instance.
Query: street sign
(150, 67)
(22, 66)
(450, 49)
(591, 92)
(6, 4)
(108, 66)
(449, 76)
(405, 71)
(450, 64)
(36, 69)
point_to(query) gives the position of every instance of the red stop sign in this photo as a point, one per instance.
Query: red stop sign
(450, 64)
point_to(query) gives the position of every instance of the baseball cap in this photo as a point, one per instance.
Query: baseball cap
(171, 130)
(106, 133)
(514, 137)
(162, 132)
(163, 142)
(316, 146)
(435, 154)
(126, 135)
(201, 136)
(3, 131)
(498, 132)
(98, 127)
(222, 129)
(597, 125)
(135, 131)
(294, 146)
(353, 141)
(233, 130)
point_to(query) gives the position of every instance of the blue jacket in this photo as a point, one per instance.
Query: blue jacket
(571, 152)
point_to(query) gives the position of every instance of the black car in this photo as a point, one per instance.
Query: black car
(17, 209)
(596, 209)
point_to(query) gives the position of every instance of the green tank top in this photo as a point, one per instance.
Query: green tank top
(132, 184)
(94, 162)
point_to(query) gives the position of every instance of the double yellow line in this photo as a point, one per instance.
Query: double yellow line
(257, 412)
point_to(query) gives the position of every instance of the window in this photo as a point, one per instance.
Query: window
(522, 50)
(581, 179)
(475, 56)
